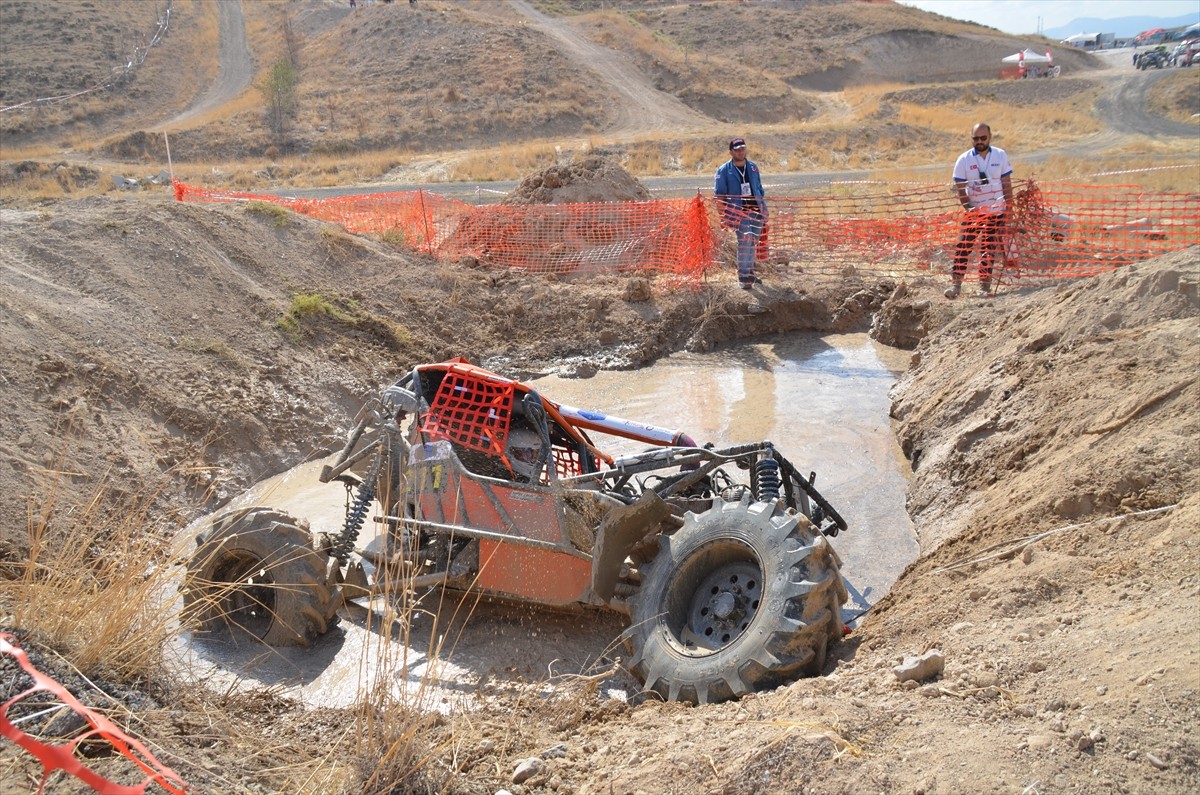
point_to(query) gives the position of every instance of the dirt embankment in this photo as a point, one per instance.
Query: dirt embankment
(154, 344)
(151, 343)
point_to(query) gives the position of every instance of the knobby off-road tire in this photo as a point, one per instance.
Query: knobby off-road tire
(256, 572)
(741, 598)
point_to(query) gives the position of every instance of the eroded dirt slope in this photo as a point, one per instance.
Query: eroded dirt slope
(141, 343)
(142, 340)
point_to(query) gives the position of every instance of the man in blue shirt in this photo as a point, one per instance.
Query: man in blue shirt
(743, 206)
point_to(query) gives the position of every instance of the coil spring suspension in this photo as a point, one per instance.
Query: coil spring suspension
(356, 512)
(766, 472)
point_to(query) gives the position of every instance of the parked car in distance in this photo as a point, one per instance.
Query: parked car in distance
(1154, 59)
(1187, 53)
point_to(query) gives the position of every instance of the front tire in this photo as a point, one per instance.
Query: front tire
(256, 572)
(741, 598)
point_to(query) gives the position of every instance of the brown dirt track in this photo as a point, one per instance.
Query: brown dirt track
(1070, 663)
(141, 358)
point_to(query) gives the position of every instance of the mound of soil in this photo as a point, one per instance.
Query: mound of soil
(594, 178)
(1132, 332)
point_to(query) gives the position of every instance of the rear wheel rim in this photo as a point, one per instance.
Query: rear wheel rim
(247, 593)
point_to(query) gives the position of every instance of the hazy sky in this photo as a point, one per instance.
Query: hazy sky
(1021, 16)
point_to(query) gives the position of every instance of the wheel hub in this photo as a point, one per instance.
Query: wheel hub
(246, 592)
(723, 605)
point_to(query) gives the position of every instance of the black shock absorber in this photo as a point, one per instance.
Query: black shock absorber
(356, 511)
(766, 472)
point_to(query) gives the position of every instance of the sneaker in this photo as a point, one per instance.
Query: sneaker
(747, 285)
(953, 290)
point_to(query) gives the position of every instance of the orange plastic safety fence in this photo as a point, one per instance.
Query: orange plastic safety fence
(62, 756)
(873, 228)
(472, 412)
(667, 234)
(673, 235)
(420, 220)
(417, 219)
(1050, 233)
(861, 228)
(1063, 231)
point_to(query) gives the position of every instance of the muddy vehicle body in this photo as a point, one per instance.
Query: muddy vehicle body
(1153, 59)
(720, 557)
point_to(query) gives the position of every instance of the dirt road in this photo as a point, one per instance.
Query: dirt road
(235, 67)
(643, 107)
(1126, 110)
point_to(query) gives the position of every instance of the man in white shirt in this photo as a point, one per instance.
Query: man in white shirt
(983, 179)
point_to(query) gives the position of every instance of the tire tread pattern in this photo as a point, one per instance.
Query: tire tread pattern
(306, 590)
(798, 620)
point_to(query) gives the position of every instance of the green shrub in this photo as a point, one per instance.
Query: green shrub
(273, 211)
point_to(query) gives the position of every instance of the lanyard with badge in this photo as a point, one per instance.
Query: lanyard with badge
(746, 192)
(983, 175)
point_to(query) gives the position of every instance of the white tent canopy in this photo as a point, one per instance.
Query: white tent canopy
(1029, 57)
(1080, 38)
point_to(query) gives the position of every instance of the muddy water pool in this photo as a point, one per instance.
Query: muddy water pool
(822, 401)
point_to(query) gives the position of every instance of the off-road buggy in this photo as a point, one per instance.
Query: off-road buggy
(718, 556)
(1153, 59)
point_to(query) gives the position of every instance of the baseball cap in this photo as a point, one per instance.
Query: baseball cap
(737, 143)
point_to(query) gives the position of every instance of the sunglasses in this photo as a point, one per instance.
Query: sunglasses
(980, 137)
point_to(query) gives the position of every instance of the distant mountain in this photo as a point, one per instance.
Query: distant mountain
(1124, 27)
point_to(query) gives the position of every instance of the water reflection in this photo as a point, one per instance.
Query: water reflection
(823, 401)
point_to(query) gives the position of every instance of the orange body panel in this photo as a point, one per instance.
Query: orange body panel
(448, 494)
(530, 573)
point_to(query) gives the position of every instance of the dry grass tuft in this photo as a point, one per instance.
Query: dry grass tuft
(92, 584)
(1177, 97)
(503, 163)
(1158, 173)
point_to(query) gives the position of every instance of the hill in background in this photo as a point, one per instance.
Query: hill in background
(1123, 27)
(454, 75)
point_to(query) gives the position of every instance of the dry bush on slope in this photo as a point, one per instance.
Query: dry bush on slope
(1178, 96)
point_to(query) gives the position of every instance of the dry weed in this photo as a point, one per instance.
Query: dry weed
(92, 583)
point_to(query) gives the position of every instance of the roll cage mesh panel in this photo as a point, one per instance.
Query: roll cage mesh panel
(472, 412)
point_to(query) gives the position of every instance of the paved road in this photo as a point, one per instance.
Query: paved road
(494, 192)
